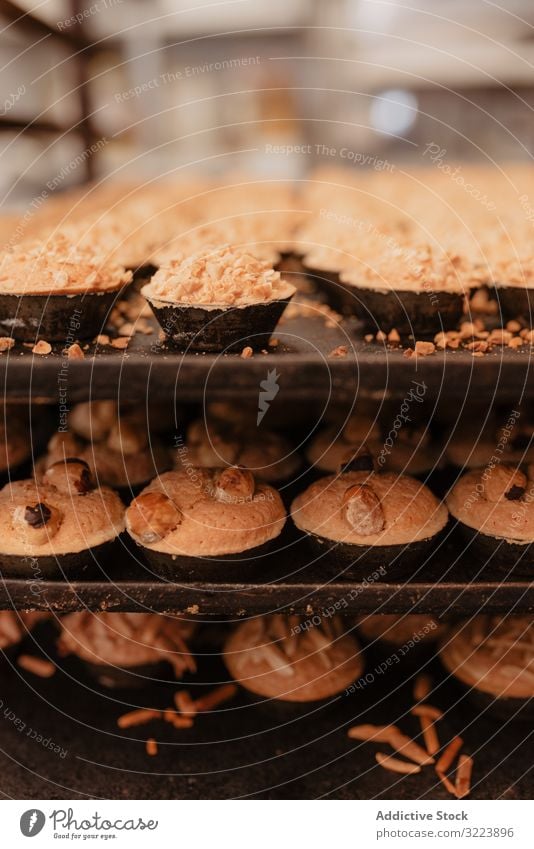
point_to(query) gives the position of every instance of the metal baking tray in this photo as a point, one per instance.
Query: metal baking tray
(239, 751)
(448, 583)
(302, 360)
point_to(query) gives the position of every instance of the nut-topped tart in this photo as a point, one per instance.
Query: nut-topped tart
(218, 299)
(493, 657)
(365, 518)
(278, 660)
(128, 649)
(64, 524)
(206, 522)
(494, 510)
(45, 287)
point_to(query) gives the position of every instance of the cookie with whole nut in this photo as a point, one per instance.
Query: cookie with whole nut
(151, 516)
(185, 518)
(113, 443)
(403, 450)
(61, 522)
(211, 443)
(494, 511)
(363, 518)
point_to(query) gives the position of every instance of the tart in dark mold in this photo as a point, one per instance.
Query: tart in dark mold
(358, 520)
(63, 525)
(417, 291)
(56, 290)
(220, 299)
(128, 650)
(492, 658)
(494, 510)
(206, 523)
(289, 666)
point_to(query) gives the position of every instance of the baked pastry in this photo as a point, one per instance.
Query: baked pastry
(407, 638)
(128, 649)
(508, 436)
(407, 450)
(63, 524)
(15, 625)
(267, 454)
(279, 659)
(56, 288)
(218, 299)
(115, 444)
(493, 657)
(365, 518)
(15, 441)
(494, 510)
(417, 290)
(206, 522)
(513, 281)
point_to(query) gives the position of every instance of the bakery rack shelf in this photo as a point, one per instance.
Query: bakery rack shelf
(304, 361)
(447, 584)
(257, 755)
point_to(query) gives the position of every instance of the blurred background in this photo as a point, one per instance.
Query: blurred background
(129, 88)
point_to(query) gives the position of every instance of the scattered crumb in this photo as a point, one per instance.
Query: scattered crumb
(6, 343)
(513, 326)
(151, 747)
(74, 352)
(409, 352)
(137, 717)
(247, 353)
(424, 349)
(122, 342)
(192, 609)
(394, 337)
(368, 337)
(340, 351)
(274, 343)
(37, 665)
(42, 348)
(381, 336)
(102, 339)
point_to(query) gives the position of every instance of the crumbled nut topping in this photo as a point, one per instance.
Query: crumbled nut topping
(57, 266)
(224, 275)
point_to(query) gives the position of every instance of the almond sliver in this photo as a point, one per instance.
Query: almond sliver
(396, 765)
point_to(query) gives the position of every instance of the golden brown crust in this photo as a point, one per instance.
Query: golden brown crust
(508, 519)
(275, 657)
(38, 519)
(218, 276)
(493, 654)
(268, 455)
(58, 267)
(411, 512)
(128, 639)
(211, 526)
